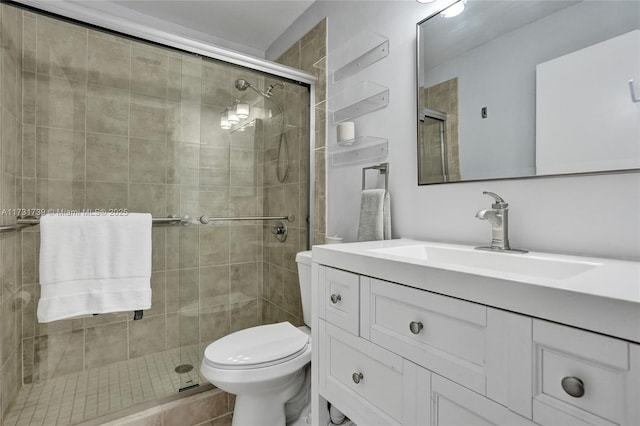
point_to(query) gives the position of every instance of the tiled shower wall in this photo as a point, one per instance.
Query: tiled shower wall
(281, 292)
(441, 97)
(10, 196)
(114, 123)
(91, 121)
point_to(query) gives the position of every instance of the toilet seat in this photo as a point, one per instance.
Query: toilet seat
(257, 347)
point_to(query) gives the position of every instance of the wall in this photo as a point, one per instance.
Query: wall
(10, 197)
(590, 215)
(281, 291)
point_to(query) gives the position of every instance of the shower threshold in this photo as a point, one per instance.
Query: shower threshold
(102, 391)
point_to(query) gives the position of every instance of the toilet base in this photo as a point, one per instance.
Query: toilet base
(265, 409)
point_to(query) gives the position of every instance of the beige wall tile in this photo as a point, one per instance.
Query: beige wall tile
(217, 84)
(109, 62)
(60, 102)
(59, 194)
(57, 354)
(10, 127)
(147, 198)
(62, 49)
(214, 286)
(106, 195)
(60, 154)
(149, 70)
(29, 89)
(244, 243)
(217, 202)
(107, 158)
(245, 281)
(148, 118)
(214, 323)
(244, 315)
(10, 82)
(107, 110)
(188, 242)
(147, 160)
(147, 336)
(28, 151)
(214, 245)
(158, 248)
(188, 289)
(105, 344)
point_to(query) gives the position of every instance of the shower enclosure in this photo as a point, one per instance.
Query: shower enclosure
(112, 122)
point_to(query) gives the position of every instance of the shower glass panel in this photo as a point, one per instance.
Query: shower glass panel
(110, 122)
(433, 148)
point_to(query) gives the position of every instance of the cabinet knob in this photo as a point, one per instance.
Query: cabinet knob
(415, 327)
(573, 386)
(357, 377)
(335, 298)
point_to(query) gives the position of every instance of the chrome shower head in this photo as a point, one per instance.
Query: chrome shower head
(242, 84)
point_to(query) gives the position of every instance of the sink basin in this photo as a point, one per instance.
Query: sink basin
(466, 259)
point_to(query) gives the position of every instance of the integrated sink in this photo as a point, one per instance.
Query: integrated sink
(467, 259)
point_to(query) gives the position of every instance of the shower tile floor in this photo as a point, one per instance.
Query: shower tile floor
(81, 396)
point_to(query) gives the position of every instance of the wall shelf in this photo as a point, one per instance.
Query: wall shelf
(357, 54)
(362, 149)
(358, 100)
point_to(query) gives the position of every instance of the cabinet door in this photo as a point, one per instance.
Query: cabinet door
(454, 405)
(371, 385)
(339, 298)
(584, 378)
(484, 349)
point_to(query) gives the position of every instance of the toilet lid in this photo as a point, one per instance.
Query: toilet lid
(257, 346)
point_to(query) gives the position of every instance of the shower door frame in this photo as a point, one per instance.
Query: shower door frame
(102, 19)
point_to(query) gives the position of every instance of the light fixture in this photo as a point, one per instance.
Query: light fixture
(224, 120)
(242, 110)
(425, 1)
(454, 10)
(232, 116)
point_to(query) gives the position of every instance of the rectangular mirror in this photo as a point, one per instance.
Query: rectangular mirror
(511, 89)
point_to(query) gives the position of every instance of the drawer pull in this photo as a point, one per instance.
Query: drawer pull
(415, 327)
(357, 377)
(573, 386)
(335, 298)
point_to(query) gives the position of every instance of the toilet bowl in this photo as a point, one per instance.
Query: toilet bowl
(263, 366)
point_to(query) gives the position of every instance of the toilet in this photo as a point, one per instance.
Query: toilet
(264, 366)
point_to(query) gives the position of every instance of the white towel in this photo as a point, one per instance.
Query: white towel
(375, 216)
(94, 264)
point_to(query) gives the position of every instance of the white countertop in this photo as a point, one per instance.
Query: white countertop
(604, 299)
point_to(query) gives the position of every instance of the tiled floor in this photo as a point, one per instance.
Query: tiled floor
(96, 392)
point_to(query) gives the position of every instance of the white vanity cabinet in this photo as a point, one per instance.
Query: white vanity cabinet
(394, 354)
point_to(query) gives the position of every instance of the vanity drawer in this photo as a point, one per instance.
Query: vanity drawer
(370, 384)
(443, 334)
(601, 377)
(339, 301)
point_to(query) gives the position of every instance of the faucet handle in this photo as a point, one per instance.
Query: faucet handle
(500, 203)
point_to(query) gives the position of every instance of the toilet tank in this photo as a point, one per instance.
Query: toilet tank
(304, 278)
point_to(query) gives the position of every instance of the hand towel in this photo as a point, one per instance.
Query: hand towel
(375, 218)
(94, 264)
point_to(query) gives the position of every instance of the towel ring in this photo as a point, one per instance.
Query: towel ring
(383, 168)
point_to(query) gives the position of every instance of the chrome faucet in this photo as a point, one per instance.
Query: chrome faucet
(498, 217)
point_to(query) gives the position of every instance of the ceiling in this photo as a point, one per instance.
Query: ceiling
(254, 24)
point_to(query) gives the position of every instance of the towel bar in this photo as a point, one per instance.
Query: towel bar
(383, 168)
(25, 222)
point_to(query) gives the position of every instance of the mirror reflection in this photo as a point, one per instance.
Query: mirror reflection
(528, 88)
